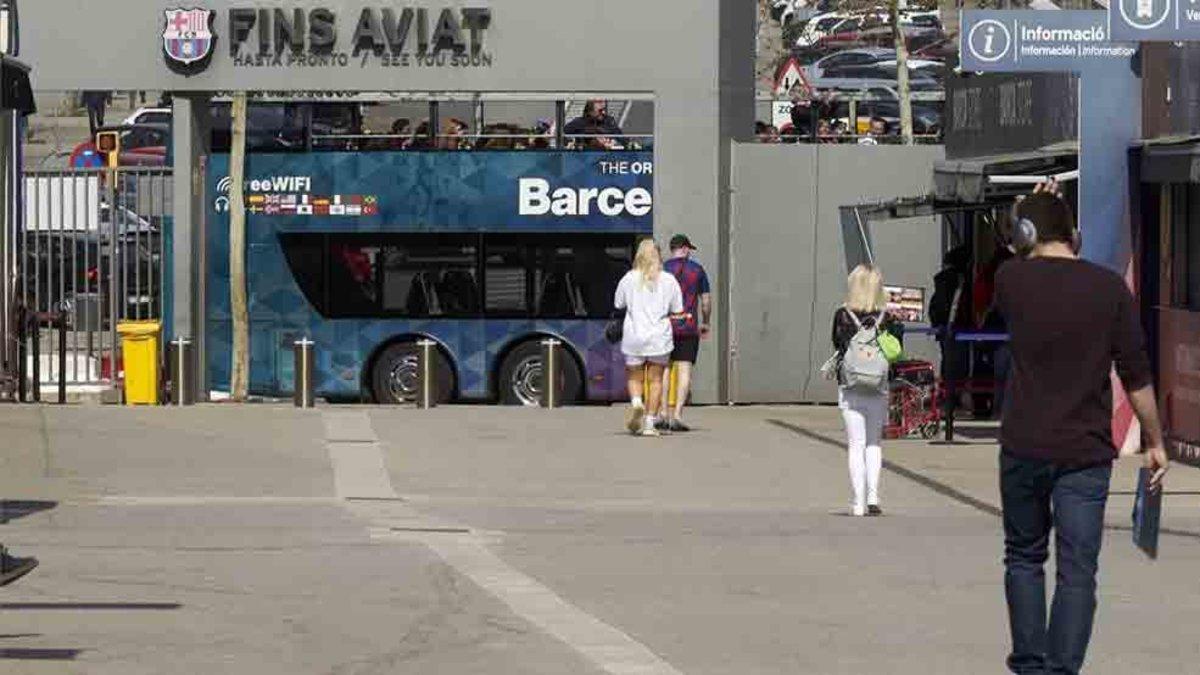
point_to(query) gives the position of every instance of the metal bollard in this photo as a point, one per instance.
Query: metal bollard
(22, 359)
(183, 389)
(62, 358)
(302, 391)
(426, 375)
(35, 337)
(551, 393)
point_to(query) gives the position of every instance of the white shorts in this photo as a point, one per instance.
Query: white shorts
(637, 361)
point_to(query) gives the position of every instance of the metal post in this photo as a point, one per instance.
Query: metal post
(22, 356)
(426, 375)
(62, 358)
(551, 373)
(36, 337)
(435, 122)
(183, 389)
(302, 391)
(560, 123)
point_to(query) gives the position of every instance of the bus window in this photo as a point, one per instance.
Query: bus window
(506, 280)
(305, 254)
(270, 127)
(353, 280)
(428, 278)
(577, 278)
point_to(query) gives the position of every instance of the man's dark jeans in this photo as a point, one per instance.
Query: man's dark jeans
(1038, 495)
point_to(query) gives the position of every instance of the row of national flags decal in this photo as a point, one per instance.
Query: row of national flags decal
(312, 205)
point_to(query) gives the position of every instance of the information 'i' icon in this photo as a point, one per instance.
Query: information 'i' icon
(988, 37)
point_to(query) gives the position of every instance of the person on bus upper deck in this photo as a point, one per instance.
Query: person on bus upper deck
(595, 114)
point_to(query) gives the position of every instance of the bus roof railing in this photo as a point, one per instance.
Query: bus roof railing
(441, 96)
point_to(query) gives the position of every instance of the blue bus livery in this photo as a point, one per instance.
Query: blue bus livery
(484, 252)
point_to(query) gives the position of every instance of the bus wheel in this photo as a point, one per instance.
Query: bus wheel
(394, 376)
(520, 377)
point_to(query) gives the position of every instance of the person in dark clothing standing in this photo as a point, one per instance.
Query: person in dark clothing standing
(1070, 321)
(688, 330)
(96, 102)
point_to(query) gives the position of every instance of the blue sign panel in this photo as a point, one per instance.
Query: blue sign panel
(1151, 20)
(1034, 40)
(443, 191)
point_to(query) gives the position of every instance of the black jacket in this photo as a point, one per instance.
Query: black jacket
(581, 125)
(844, 327)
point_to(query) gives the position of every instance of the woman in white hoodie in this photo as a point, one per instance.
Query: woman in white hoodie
(649, 299)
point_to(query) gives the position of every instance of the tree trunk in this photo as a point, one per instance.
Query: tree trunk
(239, 380)
(906, 127)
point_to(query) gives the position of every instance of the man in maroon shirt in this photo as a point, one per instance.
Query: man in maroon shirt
(1069, 322)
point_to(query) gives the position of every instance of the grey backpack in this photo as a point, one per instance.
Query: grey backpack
(864, 367)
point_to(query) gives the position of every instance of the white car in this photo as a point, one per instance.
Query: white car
(149, 116)
(796, 10)
(822, 25)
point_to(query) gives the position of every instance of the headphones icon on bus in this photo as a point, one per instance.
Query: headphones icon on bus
(989, 40)
(221, 204)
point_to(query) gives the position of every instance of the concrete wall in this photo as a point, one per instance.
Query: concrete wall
(788, 264)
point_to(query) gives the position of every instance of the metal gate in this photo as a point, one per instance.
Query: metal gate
(93, 251)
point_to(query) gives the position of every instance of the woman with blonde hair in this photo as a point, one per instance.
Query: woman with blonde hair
(649, 298)
(864, 409)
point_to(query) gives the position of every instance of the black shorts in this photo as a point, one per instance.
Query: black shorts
(686, 348)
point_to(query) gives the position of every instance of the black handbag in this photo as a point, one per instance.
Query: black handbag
(615, 329)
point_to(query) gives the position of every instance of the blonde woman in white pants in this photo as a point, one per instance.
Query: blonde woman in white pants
(864, 413)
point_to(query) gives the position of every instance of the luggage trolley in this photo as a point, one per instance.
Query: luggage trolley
(914, 401)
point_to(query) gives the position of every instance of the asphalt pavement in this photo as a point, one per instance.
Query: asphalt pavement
(477, 539)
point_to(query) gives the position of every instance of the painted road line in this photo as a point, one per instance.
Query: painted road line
(360, 476)
(206, 500)
(607, 647)
(359, 471)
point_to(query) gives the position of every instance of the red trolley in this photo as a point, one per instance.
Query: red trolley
(914, 401)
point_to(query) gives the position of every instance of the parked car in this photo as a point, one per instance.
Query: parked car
(865, 56)
(825, 24)
(76, 267)
(927, 116)
(141, 144)
(875, 75)
(149, 116)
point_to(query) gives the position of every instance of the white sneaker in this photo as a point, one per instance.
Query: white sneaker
(635, 417)
(858, 510)
(648, 427)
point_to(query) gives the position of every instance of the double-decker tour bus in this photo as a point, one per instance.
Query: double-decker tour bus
(485, 238)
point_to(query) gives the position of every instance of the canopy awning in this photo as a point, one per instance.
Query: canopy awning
(15, 90)
(1171, 162)
(979, 180)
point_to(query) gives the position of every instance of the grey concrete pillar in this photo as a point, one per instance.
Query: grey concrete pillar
(190, 138)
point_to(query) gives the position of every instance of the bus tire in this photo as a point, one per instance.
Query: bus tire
(394, 375)
(519, 379)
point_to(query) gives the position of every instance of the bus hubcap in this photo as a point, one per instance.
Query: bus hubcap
(526, 382)
(402, 381)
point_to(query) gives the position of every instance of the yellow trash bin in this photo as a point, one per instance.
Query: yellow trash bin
(139, 346)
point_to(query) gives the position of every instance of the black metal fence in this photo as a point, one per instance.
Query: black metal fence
(90, 253)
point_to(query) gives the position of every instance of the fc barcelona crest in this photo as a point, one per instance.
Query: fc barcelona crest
(188, 39)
